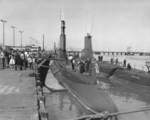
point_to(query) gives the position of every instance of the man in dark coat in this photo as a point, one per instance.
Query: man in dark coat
(81, 67)
(17, 61)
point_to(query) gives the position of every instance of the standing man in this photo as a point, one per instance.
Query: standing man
(22, 61)
(17, 61)
(124, 63)
(73, 64)
(7, 58)
(2, 56)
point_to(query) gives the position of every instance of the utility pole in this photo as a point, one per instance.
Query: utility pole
(43, 42)
(13, 28)
(21, 36)
(55, 47)
(3, 22)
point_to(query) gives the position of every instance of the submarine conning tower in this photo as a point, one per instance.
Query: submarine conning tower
(62, 47)
(87, 52)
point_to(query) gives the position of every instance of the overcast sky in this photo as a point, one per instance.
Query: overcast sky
(114, 24)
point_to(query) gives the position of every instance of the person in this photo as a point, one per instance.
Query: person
(22, 61)
(129, 66)
(26, 55)
(30, 62)
(2, 56)
(87, 65)
(81, 67)
(116, 61)
(17, 61)
(100, 58)
(12, 62)
(96, 68)
(124, 63)
(111, 61)
(73, 63)
(7, 58)
(147, 64)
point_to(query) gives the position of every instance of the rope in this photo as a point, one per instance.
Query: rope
(108, 115)
(129, 112)
(77, 98)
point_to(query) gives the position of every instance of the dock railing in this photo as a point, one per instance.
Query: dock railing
(43, 114)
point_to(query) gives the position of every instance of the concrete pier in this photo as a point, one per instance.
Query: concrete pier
(17, 95)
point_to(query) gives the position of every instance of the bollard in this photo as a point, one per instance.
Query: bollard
(37, 76)
(42, 98)
(37, 73)
(40, 93)
(42, 111)
(44, 116)
(38, 83)
(39, 89)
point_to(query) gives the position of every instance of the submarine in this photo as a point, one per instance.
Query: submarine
(108, 95)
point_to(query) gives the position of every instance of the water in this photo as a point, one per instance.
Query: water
(130, 104)
(128, 97)
(62, 106)
(137, 62)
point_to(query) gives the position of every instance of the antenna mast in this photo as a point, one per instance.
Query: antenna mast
(43, 42)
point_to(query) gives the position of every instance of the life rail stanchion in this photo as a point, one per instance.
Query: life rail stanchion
(43, 115)
(36, 75)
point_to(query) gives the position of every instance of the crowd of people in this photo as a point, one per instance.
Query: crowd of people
(17, 59)
(85, 66)
(124, 63)
(81, 65)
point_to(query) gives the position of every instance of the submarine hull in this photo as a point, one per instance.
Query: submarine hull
(133, 75)
(88, 94)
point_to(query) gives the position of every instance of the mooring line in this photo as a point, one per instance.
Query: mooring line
(108, 115)
(78, 99)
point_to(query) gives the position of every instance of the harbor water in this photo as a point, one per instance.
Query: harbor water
(63, 106)
(128, 97)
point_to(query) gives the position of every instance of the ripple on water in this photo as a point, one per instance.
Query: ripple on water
(62, 106)
(124, 103)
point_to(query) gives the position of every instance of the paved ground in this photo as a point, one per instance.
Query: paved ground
(17, 95)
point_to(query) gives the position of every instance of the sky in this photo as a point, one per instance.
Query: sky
(113, 24)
